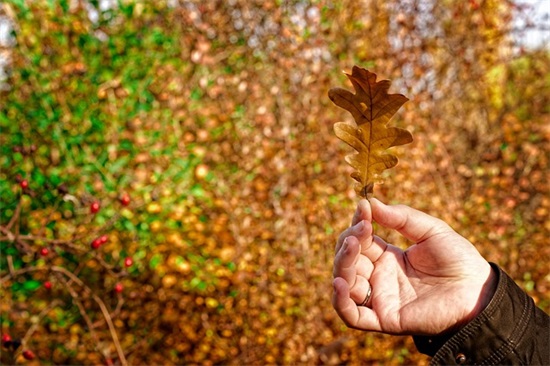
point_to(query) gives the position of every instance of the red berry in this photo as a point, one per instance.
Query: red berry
(128, 261)
(6, 339)
(28, 354)
(125, 200)
(24, 184)
(94, 208)
(103, 239)
(96, 243)
(44, 252)
(48, 285)
(119, 288)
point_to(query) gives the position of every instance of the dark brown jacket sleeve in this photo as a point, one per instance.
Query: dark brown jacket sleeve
(511, 330)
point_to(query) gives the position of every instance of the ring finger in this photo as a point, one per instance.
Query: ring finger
(354, 268)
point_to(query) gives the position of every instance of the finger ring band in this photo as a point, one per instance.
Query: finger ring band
(367, 298)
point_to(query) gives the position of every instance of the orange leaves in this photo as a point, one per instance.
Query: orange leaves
(372, 107)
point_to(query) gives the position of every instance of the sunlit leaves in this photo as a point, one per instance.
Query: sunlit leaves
(153, 94)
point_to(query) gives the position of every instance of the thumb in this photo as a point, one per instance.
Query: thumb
(414, 225)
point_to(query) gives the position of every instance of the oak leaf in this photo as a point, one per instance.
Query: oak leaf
(372, 107)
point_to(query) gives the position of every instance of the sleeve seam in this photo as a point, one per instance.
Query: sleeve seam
(515, 338)
(503, 287)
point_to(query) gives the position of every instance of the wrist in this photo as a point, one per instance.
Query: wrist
(487, 292)
(482, 299)
(430, 344)
(480, 295)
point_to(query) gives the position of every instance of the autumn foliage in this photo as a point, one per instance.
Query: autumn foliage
(172, 187)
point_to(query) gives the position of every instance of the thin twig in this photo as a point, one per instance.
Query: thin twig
(15, 216)
(114, 313)
(103, 308)
(10, 264)
(111, 328)
(45, 220)
(109, 267)
(79, 268)
(15, 238)
(96, 298)
(9, 235)
(33, 327)
(46, 240)
(18, 272)
(82, 310)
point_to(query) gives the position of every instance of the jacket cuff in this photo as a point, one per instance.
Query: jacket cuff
(492, 335)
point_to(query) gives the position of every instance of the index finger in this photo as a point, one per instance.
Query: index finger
(363, 212)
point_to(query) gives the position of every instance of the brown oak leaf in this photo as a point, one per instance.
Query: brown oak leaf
(372, 107)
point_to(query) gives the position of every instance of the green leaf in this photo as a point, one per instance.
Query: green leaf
(119, 164)
(55, 180)
(21, 5)
(197, 191)
(32, 285)
(179, 260)
(198, 284)
(38, 177)
(155, 261)
(196, 94)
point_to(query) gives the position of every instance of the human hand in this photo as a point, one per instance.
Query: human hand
(435, 286)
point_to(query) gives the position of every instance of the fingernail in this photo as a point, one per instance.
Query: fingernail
(334, 285)
(345, 244)
(359, 226)
(358, 210)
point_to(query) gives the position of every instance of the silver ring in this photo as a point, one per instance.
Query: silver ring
(367, 298)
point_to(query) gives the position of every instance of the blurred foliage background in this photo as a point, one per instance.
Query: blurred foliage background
(204, 131)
